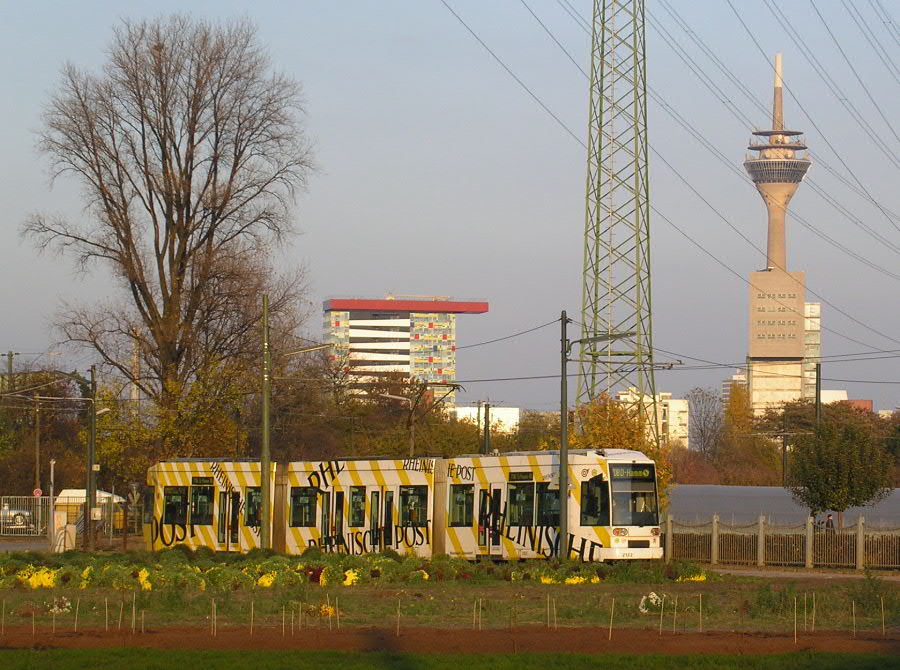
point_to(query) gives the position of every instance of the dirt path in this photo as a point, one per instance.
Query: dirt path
(429, 640)
(799, 574)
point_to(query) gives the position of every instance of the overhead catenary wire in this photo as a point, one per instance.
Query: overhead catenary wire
(509, 337)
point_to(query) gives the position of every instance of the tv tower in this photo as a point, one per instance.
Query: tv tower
(782, 341)
(777, 172)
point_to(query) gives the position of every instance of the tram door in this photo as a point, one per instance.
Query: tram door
(489, 522)
(389, 519)
(228, 518)
(377, 541)
(497, 521)
(338, 520)
(325, 523)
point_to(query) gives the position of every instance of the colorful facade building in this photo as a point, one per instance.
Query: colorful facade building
(412, 337)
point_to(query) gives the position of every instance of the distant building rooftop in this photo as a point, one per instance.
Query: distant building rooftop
(405, 305)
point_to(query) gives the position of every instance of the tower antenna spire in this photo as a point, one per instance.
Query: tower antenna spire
(777, 112)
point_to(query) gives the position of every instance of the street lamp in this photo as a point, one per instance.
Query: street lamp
(566, 349)
(265, 456)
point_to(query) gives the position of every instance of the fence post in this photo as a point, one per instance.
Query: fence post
(808, 562)
(669, 539)
(761, 542)
(860, 542)
(714, 546)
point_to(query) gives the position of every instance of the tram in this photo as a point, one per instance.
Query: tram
(501, 506)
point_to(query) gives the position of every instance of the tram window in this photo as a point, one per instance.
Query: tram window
(303, 506)
(149, 497)
(547, 505)
(357, 506)
(202, 505)
(634, 495)
(521, 504)
(253, 495)
(175, 504)
(414, 506)
(595, 502)
(462, 499)
(635, 507)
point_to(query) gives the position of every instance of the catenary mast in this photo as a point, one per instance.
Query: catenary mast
(616, 275)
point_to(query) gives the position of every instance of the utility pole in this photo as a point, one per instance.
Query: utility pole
(565, 348)
(486, 449)
(10, 379)
(91, 491)
(818, 395)
(37, 445)
(784, 441)
(564, 345)
(265, 458)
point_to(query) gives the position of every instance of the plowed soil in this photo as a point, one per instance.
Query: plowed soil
(432, 640)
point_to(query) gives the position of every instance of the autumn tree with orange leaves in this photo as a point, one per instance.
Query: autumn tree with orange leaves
(606, 423)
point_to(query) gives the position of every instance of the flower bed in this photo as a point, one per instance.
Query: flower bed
(201, 571)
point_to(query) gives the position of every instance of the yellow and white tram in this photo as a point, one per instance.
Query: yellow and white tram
(501, 506)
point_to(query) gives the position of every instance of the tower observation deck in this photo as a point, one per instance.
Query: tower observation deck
(777, 170)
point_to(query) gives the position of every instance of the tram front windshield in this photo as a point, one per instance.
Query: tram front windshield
(634, 494)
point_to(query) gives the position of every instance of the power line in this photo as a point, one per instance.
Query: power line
(507, 69)
(806, 113)
(513, 75)
(726, 220)
(872, 39)
(719, 94)
(509, 337)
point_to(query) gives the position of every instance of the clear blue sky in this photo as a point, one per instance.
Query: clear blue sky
(439, 175)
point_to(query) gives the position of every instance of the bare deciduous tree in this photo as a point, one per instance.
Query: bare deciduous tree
(189, 151)
(705, 417)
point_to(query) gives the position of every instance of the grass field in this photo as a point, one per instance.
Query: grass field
(733, 605)
(143, 659)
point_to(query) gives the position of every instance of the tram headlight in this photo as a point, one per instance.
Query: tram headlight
(620, 531)
(654, 531)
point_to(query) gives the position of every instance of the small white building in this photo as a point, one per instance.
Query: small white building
(503, 419)
(672, 416)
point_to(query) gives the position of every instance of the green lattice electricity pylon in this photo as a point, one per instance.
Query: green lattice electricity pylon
(616, 279)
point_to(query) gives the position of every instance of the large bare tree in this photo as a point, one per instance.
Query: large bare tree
(190, 151)
(706, 416)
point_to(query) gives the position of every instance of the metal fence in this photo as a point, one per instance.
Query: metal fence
(26, 516)
(802, 546)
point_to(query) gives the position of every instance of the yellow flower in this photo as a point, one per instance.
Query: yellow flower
(37, 578)
(144, 579)
(86, 577)
(576, 579)
(351, 577)
(547, 580)
(326, 610)
(692, 578)
(595, 579)
(267, 579)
